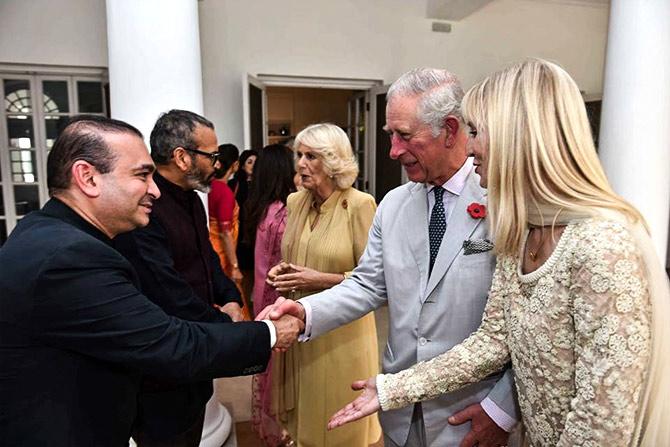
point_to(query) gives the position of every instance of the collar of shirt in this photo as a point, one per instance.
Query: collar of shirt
(56, 208)
(166, 187)
(328, 204)
(454, 186)
(456, 182)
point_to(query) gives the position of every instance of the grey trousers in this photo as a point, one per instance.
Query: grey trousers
(417, 432)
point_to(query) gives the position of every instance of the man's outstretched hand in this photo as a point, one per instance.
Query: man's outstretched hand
(282, 307)
(364, 405)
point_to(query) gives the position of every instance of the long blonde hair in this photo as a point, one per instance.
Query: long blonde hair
(543, 169)
(542, 160)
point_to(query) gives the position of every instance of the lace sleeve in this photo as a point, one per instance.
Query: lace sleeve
(482, 353)
(612, 317)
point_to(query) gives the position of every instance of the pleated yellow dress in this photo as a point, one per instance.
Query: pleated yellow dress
(313, 379)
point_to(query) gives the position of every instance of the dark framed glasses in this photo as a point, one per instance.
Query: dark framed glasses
(213, 156)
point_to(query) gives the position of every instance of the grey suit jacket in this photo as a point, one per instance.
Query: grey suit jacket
(427, 315)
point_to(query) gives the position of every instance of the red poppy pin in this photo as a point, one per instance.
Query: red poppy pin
(477, 210)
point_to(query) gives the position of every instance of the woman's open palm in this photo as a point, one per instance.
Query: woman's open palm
(364, 405)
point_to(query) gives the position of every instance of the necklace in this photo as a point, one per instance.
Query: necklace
(533, 253)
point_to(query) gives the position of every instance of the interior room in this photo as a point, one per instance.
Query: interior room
(263, 70)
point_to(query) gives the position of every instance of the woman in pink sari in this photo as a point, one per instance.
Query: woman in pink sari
(266, 219)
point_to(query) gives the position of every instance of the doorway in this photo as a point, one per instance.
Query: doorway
(291, 109)
(278, 107)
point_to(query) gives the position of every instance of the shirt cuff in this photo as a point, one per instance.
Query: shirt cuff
(273, 332)
(502, 419)
(307, 334)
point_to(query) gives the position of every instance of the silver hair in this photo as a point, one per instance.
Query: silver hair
(332, 145)
(441, 95)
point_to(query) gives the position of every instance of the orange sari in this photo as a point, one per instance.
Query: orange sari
(224, 218)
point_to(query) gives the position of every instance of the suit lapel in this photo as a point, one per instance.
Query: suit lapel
(459, 228)
(416, 223)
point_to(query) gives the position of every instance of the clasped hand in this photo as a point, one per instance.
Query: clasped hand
(232, 309)
(288, 329)
(284, 310)
(285, 277)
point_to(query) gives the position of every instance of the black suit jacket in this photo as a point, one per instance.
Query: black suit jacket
(76, 335)
(179, 271)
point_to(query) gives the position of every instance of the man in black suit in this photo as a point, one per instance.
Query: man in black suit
(179, 270)
(76, 334)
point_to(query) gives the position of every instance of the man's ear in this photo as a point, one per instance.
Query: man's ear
(182, 159)
(452, 126)
(86, 178)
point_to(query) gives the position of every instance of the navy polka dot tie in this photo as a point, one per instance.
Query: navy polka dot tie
(437, 225)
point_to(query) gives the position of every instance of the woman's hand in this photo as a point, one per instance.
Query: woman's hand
(364, 405)
(282, 267)
(299, 278)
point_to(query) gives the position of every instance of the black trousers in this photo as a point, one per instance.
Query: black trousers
(189, 438)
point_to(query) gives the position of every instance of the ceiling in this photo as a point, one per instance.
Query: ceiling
(454, 10)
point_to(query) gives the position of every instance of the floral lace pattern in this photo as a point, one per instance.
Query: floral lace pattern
(577, 332)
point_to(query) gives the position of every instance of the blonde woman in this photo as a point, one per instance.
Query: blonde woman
(326, 233)
(578, 297)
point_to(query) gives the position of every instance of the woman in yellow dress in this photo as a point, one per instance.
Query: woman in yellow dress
(326, 234)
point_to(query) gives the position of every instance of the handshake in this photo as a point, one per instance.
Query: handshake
(288, 317)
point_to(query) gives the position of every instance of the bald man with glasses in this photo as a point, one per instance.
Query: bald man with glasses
(179, 270)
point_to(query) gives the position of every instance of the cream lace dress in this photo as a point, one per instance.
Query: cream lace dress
(576, 330)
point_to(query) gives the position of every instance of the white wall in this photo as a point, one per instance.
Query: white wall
(506, 31)
(381, 39)
(57, 32)
(375, 39)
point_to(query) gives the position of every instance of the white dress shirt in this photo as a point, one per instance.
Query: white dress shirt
(453, 188)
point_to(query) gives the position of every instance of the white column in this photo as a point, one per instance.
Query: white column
(154, 59)
(218, 424)
(635, 121)
(154, 66)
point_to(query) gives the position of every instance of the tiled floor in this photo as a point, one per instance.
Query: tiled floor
(235, 392)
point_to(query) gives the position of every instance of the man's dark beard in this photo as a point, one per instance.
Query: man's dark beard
(196, 179)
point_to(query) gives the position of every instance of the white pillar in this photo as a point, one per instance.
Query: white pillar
(218, 425)
(154, 66)
(154, 59)
(635, 121)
